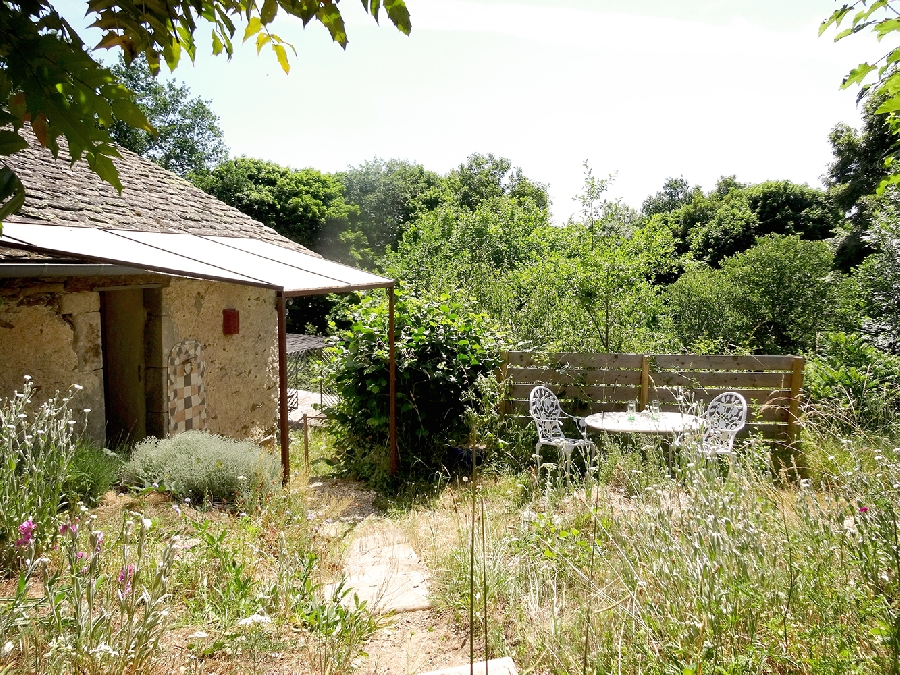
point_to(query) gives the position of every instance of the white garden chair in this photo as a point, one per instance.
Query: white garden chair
(548, 417)
(725, 415)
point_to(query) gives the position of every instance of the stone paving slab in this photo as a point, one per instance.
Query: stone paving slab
(504, 666)
(384, 570)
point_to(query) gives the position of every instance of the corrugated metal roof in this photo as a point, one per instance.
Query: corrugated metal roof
(232, 259)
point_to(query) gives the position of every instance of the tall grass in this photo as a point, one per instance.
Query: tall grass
(704, 567)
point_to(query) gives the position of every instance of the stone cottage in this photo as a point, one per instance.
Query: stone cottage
(164, 303)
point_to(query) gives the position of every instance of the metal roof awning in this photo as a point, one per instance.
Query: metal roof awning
(230, 259)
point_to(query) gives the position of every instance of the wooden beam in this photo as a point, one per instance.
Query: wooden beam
(796, 387)
(645, 382)
(392, 379)
(283, 391)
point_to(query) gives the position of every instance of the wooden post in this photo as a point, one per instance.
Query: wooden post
(392, 382)
(796, 387)
(501, 378)
(283, 393)
(645, 381)
(306, 441)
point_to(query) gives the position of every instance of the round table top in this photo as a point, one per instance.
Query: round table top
(643, 422)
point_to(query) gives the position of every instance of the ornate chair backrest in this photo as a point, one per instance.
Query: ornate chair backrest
(546, 412)
(725, 415)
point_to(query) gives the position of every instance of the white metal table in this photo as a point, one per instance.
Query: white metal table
(643, 422)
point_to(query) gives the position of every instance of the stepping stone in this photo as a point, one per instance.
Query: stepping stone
(504, 666)
(384, 570)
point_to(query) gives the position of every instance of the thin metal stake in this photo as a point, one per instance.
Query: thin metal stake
(484, 580)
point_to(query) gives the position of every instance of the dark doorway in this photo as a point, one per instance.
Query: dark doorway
(129, 344)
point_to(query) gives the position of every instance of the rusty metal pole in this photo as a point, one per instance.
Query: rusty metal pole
(283, 392)
(392, 377)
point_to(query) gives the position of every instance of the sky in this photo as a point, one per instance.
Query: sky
(643, 90)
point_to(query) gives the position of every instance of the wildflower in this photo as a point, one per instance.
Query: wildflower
(27, 377)
(87, 410)
(77, 387)
(26, 529)
(146, 524)
(7, 648)
(125, 577)
(68, 527)
(156, 486)
(254, 618)
(805, 483)
(80, 555)
(176, 509)
(187, 500)
(863, 509)
(97, 540)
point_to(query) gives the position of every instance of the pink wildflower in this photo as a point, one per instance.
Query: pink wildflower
(26, 529)
(125, 577)
(863, 509)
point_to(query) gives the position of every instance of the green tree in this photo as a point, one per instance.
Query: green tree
(785, 292)
(853, 178)
(49, 81)
(484, 177)
(879, 277)
(389, 195)
(187, 136)
(304, 205)
(675, 192)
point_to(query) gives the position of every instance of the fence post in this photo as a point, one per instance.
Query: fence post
(796, 386)
(645, 381)
(306, 441)
(501, 378)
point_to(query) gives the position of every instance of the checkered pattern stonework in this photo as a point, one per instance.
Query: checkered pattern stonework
(187, 388)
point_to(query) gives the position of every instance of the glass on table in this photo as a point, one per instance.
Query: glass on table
(654, 409)
(632, 409)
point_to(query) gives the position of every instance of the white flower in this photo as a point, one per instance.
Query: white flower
(147, 523)
(7, 648)
(87, 410)
(254, 618)
(805, 483)
(78, 387)
(27, 377)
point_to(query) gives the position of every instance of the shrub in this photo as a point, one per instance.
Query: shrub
(37, 444)
(198, 465)
(92, 472)
(441, 349)
(854, 382)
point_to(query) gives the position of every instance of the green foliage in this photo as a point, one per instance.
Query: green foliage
(389, 195)
(186, 137)
(92, 473)
(879, 278)
(50, 81)
(37, 444)
(442, 347)
(770, 299)
(304, 205)
(703, 304)
(856, 383)
(786, 290)
(485, 177)
(98, 623)
(201, 466)
(728, 220)
(675, 193)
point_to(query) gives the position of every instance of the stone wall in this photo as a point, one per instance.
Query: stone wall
(51, 329)
(241, 379)
(54, 336)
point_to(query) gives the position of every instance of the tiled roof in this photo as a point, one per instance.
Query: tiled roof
(152, 199)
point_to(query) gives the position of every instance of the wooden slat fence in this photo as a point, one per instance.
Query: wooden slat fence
(588, 383)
